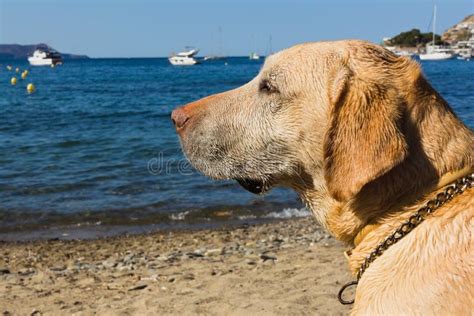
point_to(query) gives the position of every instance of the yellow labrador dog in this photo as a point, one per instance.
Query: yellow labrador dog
(375, 152)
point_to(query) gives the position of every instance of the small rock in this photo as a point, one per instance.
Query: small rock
(109, 263)
(185, 292)
(35, 312)
(128, 258)
(213, 252)
(188, 276)
(138, 287)
(249, 252)
(265, 257)
(195, 255)
(58, 268)
(251, 262)
(121, 267)
(4, 271)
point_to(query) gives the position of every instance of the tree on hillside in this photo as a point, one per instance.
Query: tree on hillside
(413, 38)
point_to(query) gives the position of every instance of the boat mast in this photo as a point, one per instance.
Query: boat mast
(254, 44)
(434, 24)
(270, 46)
(220, 43)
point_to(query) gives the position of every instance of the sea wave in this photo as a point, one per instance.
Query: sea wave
(179, 216)
(290, 213)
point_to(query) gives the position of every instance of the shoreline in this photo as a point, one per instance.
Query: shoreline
(283, 267)
(83, 232)
(104, 226)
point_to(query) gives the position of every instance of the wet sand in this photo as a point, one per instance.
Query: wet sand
(287, 267)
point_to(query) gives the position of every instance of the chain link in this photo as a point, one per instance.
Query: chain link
(441, 198)
(458, 187)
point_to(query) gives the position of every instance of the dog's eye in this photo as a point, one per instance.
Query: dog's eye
(266, 86)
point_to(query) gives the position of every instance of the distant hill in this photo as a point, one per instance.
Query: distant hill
(460, 31)
(16, 51)
(412, 38)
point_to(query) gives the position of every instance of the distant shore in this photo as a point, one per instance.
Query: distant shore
(17, 51)
(285, 267)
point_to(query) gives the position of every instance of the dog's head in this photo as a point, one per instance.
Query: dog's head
(319, 116)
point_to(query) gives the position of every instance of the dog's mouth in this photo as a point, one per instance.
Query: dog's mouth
(254, 186)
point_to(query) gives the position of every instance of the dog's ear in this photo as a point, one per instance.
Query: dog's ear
(364, 139)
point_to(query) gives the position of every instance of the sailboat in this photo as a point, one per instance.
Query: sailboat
(269, 50)
(220, 54)
(436, 52)
(253, 55)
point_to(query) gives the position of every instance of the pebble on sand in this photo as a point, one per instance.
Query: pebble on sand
(4, 271)
(138, 287)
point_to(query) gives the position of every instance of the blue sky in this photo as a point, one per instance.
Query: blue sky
(146, 28)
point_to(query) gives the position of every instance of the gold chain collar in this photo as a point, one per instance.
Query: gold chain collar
(458, 187)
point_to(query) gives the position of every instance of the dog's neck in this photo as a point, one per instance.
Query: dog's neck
(364, 232)
(368, 239)
(445, 180)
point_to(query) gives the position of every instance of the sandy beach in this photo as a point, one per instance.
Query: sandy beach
(280, 268)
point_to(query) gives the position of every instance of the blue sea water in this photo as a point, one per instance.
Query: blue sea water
(94, 146)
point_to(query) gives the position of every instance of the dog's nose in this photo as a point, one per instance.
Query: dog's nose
(179, 117)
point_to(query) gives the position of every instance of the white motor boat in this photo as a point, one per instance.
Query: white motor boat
(220, 54)
(45, 58)
(435, 52)
(404, 53)
(185, 58)
(465, 49)
(465, 54)
(399, 51)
